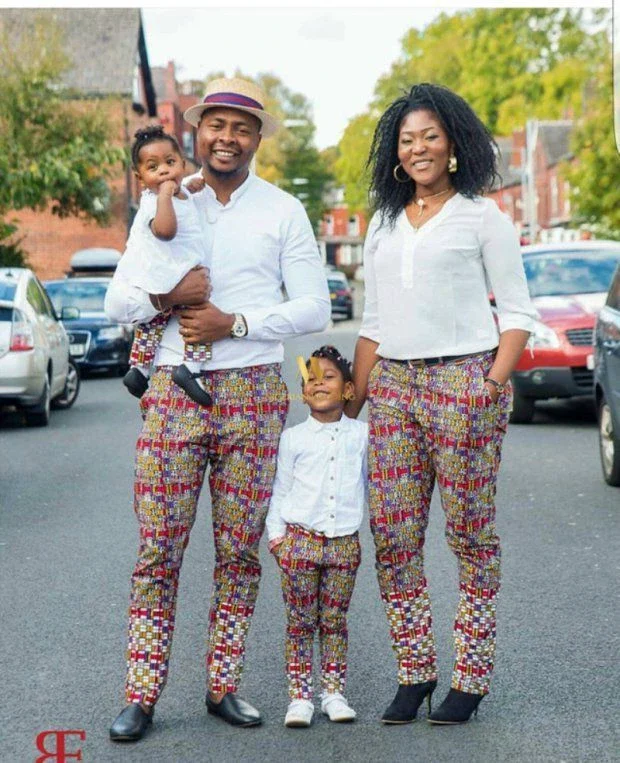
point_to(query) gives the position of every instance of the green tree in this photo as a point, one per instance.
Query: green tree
(53, 151)
(594, 177)
(510, 64)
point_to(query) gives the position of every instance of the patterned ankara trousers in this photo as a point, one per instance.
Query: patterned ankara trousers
(147, 337)
(425, 424)
(318, 576)
(238, 438)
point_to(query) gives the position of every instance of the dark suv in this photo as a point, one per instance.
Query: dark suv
(607, 382)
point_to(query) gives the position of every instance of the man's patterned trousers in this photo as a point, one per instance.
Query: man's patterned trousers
(238, 439)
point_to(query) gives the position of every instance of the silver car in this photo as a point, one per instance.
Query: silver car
(34, 348)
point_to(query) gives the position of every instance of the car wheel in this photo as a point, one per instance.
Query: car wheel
(609, 444)
(522, 408)
(350, 314)
(71, 390)
(39, 415)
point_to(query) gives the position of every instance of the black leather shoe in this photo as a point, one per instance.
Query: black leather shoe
(457, 707)
(136, 382)
(188, 382)
(406, 703)
(234, 710)
(130, 724)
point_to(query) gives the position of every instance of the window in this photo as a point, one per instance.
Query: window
(34, 295)
(613, 298)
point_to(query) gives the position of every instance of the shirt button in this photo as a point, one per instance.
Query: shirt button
(331, 516)
(331, 497)
(332, 458)
(331, 478)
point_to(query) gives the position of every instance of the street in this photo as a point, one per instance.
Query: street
(67, 549)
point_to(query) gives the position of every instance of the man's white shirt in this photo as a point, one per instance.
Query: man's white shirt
(257, 245)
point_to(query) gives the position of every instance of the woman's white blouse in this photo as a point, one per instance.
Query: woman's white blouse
(427, 291)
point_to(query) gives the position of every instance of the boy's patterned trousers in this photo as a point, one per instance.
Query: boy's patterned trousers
(427, 424)
(318, 575)
(238, 439)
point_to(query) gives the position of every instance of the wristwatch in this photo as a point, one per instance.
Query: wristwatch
(499, 387)
(239, 328)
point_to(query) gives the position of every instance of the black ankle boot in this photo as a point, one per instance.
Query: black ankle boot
(405, 705)
(188, 381)
(457, 707)
(136, 382)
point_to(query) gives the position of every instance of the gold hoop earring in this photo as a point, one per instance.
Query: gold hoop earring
(395, 173)
(453, 165)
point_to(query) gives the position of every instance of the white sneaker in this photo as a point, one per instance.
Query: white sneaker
(299, 713)
(337, 708)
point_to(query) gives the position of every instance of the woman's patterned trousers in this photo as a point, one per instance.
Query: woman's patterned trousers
(432, 424)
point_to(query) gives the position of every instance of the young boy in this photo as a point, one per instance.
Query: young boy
(313, 521)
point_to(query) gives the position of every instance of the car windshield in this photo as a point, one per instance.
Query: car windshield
(557, 274)
(86, 296)
(336, 283)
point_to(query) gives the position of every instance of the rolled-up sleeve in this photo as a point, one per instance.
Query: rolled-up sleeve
(370, 320)
(308, 307)
(503, 265)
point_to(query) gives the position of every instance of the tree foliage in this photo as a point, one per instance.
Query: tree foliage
(595, 176)
(510, 64)
(53, 151)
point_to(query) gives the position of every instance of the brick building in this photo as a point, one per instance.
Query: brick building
(110, 71)
(341, 234)
(551, 150)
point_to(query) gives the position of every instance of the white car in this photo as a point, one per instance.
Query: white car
(35, 371)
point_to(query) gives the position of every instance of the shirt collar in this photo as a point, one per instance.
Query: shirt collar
(318, 426)
(236, 194)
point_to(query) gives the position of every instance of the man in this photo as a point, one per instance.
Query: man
(258, 241)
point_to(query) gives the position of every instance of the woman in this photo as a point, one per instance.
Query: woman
(435, 368)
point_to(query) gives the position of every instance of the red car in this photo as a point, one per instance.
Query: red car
(568, 283)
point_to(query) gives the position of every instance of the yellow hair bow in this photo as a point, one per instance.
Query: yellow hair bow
(315, 366)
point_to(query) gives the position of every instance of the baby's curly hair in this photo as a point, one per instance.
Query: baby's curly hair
(474, 148)
(329, 352)
(150, 134)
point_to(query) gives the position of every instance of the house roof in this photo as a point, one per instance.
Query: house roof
(103, 44)
(555, 139)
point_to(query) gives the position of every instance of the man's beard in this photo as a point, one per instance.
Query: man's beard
(225, 174)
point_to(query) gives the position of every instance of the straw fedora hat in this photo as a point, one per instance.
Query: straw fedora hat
(238, 94)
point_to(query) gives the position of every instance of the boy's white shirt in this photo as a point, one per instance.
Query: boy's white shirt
(321, 479)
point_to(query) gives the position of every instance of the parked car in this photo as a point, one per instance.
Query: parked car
(341, 294)
(95, 341)
(35, 370)
(607, 382)
(568, 283)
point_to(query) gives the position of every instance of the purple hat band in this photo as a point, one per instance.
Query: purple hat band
(234, 99)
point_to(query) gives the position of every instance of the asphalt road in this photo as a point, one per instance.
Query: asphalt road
(67, 547)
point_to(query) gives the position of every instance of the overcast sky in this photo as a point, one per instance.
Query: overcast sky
(333, 57)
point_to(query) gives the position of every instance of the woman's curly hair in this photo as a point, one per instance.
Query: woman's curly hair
(150, 134)
(474, 148)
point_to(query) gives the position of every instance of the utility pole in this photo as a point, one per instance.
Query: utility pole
(531, 136)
